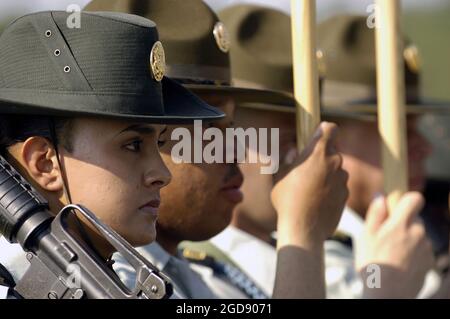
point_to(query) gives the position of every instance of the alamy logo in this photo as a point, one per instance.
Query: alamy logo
(373, 280)
(234, 144)
(73, 281)
(372, 10)
(74, 19)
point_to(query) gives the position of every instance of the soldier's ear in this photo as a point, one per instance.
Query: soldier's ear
(39, 159)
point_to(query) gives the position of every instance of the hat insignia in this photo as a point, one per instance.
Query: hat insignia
(158, 61)
(412, 58)
(222, 37)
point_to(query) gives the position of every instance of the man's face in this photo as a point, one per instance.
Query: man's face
(257, 207)
(116, 171)
(199, 201)
(360, 144)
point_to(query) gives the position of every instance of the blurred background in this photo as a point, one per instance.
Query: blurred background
(427, 23)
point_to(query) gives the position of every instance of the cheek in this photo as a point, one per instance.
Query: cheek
(371, 154)
(257, 187)
(112, 199)
(189, 189)
(96, 188)
(138, 230)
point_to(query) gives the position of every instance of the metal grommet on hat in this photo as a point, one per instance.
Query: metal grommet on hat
(222, 37)
(158, 61)
(126, 85)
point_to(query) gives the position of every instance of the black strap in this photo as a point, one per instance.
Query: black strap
(6, 279)
(80, 226)
(227, 271)
(239, 279)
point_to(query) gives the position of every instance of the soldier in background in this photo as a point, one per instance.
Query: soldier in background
(81, 120)
(347, 42)
(200, 201)
(254, 221)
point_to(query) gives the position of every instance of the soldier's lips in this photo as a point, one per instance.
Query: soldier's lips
(151, 208)
(232, 191)
(233, 195)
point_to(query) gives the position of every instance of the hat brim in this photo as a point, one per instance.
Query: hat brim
(246, 96)
(180, 105)
(284, 102)
(367, 109)
(183, 106)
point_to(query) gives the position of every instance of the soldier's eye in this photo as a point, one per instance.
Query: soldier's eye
(161, 143)
(134, 146)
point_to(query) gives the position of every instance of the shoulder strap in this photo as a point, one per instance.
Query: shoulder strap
(199, 251)
(207, 254)
(6, 279)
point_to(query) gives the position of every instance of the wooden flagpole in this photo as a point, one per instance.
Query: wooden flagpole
(391, 99)
(306, 79)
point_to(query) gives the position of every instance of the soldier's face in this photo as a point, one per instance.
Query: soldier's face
(199, 201)
(116, 171)
(257, 207)
(361, 147)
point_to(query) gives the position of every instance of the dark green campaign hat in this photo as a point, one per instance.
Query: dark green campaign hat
(112, 65)
(260, 52)
(197, 45)
(349, 60)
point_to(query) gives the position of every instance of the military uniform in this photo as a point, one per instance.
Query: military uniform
(7, 283)
(50, 69)
(13, 258)
(232, 247)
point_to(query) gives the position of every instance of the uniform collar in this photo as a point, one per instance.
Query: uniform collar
(351, 224)
(231, 238)
(4, 292)
(157, 255)
(260, 265)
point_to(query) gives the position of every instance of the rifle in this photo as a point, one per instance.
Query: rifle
(62, 265)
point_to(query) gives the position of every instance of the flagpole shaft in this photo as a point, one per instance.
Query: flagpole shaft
(306, 80)
(391, 100)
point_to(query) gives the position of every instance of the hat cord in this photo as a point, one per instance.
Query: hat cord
(81, 228)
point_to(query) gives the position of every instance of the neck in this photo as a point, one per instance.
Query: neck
(167, 242)
(243, 223)
(85, 233)
(358, 207)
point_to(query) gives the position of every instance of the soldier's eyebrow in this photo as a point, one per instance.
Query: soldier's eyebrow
(142, 129)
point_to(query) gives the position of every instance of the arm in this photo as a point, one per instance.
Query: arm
(309, 202)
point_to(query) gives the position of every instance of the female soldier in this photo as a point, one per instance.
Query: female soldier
(82, 118)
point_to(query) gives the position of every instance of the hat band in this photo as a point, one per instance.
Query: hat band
(249, 84)
(336, 93)
(201, 73)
